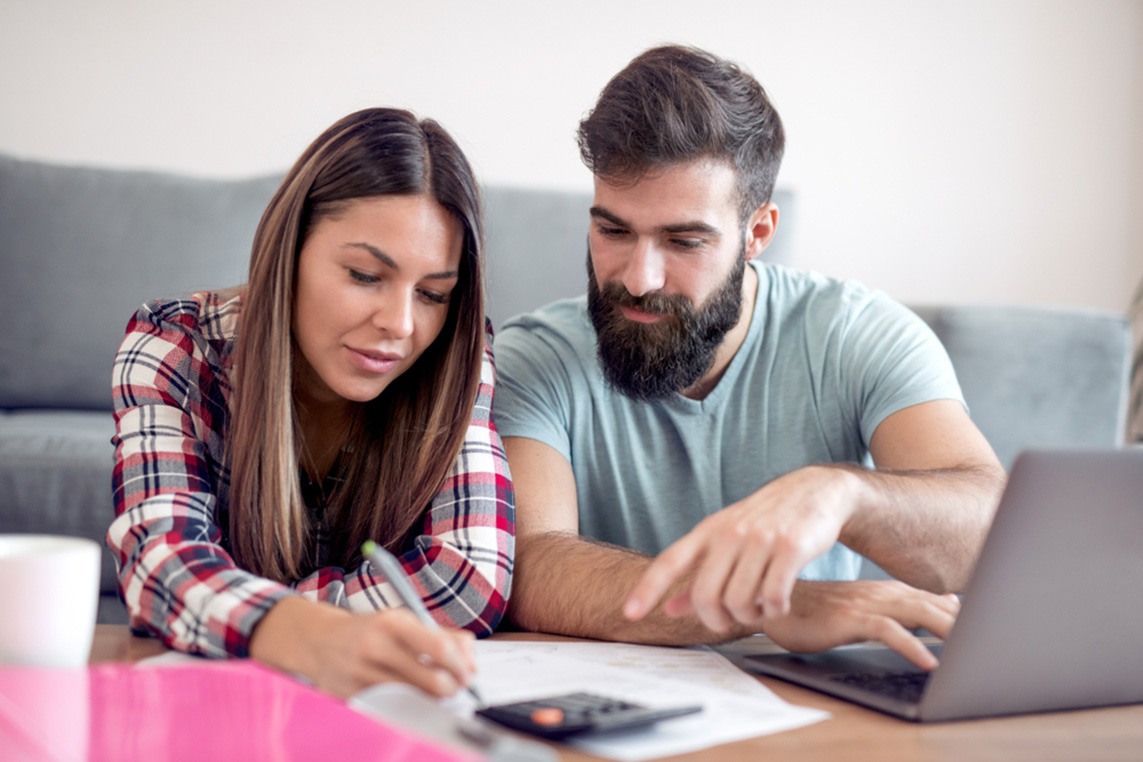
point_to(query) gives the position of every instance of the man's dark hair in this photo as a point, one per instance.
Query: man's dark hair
(675, 104)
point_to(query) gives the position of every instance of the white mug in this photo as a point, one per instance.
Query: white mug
(49, 595)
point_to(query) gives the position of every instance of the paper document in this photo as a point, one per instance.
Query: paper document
(735, 705)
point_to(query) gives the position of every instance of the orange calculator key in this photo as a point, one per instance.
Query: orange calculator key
(547, 715)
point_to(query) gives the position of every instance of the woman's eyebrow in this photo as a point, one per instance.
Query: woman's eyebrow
(389, 262)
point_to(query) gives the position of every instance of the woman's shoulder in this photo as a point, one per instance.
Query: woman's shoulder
(177, 347)
(212, 315)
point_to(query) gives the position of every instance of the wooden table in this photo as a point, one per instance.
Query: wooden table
(854, 733)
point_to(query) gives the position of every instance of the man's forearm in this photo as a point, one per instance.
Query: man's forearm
(570, 586)
(567, 585)
(924, 527)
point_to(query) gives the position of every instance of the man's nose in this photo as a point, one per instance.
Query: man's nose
(644, 271)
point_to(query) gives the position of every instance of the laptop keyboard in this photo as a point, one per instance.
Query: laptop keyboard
(904, 686)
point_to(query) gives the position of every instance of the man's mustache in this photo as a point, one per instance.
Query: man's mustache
(655, 302)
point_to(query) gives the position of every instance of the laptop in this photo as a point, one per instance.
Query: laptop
(1052, 617)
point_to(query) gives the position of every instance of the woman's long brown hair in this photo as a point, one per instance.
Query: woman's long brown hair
(401, 445)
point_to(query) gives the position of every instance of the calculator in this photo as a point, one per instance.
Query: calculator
(571, 714)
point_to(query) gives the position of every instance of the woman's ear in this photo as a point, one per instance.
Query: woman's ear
(760, 229)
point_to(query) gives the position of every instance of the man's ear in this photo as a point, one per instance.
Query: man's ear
(760, 229)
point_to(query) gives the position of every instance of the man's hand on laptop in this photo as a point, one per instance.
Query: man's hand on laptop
(824, 615)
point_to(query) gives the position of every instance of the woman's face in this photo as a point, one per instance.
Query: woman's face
(372, 293)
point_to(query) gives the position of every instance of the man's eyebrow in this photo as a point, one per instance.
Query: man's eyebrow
(388, 261)
(599, 211)
(696, 226)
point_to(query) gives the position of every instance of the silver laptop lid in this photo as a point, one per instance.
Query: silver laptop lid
(1053, 615)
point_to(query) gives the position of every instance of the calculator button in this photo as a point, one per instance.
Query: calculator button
(547, 715)
(558, 717)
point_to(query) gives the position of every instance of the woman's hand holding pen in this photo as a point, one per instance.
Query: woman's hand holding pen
(343, 653)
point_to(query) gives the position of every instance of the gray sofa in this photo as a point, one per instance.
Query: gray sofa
(81, 248)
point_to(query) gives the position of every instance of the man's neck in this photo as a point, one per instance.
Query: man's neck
(731, 342)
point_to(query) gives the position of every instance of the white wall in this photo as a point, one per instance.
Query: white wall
(983, 151)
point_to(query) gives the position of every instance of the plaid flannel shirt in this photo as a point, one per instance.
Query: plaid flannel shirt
(171, 388)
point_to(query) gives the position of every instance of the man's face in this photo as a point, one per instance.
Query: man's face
(665, 269)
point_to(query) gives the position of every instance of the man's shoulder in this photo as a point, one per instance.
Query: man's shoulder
(805, 295)
(789, 284)
(561, 322)
(560, 314)
(554, 341)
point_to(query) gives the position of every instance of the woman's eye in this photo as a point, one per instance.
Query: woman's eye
(434, 297)
(361, 277)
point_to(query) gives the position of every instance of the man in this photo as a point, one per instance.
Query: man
(713, 411)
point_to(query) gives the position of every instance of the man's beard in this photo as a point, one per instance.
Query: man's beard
(649, 361)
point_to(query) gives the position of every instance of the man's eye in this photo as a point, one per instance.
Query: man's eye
(361, 277)
(687, 243)
(611, 232)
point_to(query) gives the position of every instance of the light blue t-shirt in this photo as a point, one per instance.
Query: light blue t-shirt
(824, 362)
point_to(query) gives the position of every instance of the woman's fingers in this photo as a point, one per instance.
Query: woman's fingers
(438, 661)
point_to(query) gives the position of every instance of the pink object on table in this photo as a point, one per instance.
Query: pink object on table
(217, 710)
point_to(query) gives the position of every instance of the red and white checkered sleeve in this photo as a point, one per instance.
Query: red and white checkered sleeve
(175, 577)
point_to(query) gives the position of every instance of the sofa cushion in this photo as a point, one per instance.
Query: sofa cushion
(55, 475)
(1038, 376)
(81, 248)
(1035, 376)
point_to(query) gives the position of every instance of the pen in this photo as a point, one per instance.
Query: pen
(383, 561)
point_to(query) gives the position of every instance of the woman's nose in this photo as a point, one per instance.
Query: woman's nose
(394, 315)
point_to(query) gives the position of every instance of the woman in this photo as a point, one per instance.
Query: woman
(341, 395)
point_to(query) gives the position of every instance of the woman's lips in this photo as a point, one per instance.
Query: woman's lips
(374, 362)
